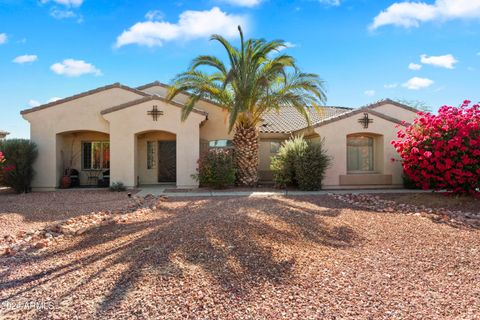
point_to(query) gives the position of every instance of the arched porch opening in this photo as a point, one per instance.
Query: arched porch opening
(83, 155)
(156, 157)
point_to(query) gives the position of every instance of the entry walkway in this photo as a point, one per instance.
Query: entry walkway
(163, 190)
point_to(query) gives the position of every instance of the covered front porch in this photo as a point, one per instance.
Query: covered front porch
(84, 157)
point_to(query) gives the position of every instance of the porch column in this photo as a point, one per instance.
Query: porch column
(122, 156)
(188, 152)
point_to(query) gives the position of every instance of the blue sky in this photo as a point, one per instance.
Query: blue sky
(364, 49)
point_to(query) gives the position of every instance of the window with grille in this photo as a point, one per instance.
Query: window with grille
(95, 155)
(360, 154)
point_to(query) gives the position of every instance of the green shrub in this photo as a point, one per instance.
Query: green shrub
(118, 187)
(20, 154)
(300, 163)
(283, 164)
(311, 166)
(216, 169)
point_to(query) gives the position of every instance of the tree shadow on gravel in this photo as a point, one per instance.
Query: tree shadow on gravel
(238, 243)
(60, 204)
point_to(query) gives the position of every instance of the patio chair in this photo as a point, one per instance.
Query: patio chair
(74, 178)
(105, 180)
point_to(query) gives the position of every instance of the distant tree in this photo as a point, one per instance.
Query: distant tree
(416, 104)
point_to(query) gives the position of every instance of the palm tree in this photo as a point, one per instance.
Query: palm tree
(258, 78)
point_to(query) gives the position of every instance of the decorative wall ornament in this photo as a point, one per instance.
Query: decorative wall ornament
(155, 113)
(365, 121)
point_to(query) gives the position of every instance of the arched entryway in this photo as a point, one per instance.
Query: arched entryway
(156, 157)
(85, 156)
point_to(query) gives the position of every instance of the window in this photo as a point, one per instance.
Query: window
(274, 147)
(95, 155)
(359, 154)
(220, 144)
(151, 146)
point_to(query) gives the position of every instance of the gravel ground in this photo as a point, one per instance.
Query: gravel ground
(251, 258)
(436, 200)
(23, 212)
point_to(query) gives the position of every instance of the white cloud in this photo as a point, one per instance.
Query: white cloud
(53, 99)
(411, 14)
(369, 93)
(74, 68)
(243, 3)
(68, 3)
(447, 61)
(390, 86)
(414, 66)
(191, 25)
(33, 103)
(417, 83)
(25, 58)
(154, 15)
(330, 2)
(287, 46)
(62, 14)
(3, 38)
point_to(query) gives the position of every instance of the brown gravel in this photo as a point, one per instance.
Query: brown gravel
(436, 200)
(23, 212)
(251, 258)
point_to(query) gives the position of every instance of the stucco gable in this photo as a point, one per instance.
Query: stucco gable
(83, 94)
(145, 99)
(373, 109)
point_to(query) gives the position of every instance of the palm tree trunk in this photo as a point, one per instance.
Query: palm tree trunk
(245, 141)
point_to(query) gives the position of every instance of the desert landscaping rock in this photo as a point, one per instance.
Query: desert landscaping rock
(376, 203)
(314, 257)
(78, 225)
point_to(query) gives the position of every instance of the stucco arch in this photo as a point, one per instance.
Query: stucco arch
(128, 121)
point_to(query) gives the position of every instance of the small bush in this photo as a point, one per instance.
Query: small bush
(300, 163)
(118, 187)
(216, 169)
(17, 170)
(283, 164)
(311, 166)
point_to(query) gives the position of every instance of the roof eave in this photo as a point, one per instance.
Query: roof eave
(81, 95)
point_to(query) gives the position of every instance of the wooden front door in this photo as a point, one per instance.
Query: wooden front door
(167, 161)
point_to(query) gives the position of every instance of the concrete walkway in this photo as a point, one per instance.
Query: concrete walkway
(160, 190)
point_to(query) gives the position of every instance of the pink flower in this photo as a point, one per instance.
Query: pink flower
(427, 154)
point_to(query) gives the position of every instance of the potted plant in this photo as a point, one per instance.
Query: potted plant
(66, 181)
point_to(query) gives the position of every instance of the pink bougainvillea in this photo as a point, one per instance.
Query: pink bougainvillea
(443, 151)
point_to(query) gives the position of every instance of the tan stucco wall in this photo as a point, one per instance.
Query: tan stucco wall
(149, 176)
(396, 112)
(80, 114)
(384, 131)
(127, 123)
(216, 128)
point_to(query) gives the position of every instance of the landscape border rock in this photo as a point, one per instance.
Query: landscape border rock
(42, 238)
(376, 203)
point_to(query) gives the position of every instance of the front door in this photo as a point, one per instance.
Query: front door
(167, 161)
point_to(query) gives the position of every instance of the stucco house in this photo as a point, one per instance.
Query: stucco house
(136, 136)
(3, 134)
